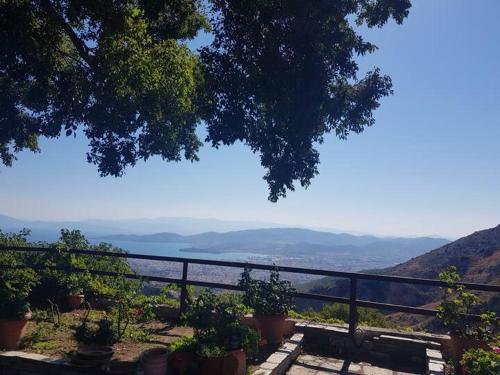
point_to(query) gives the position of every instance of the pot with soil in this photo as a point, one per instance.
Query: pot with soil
(75, 301)
(155, 361)
(12, 331)
(272, 327)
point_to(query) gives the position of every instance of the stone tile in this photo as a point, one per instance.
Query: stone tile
(436, 366)
(434, 354)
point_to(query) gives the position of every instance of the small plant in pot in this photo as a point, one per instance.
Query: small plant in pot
(271, 300)
(222, 341)
(454, 312)
(182, 357)
(15, 286)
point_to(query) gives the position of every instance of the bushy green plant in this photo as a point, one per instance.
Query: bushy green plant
(457, 303)
(16, 283)
(149, 304)
(218, 327)
(481, 362)
(184, 344)
(273, 297)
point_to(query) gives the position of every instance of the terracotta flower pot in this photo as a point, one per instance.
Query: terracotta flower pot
(289, 327)
(155, 361)
(273, 327)
(211, 365)
(459, 345)
(12, 331)
(235, 363)
(74, 301)
(181, 362)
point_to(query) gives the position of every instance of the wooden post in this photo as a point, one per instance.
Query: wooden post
(353, 311)
(184, 292)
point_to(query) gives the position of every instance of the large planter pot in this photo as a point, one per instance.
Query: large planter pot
(458, 345)
(181, 362)
(232, 363)
(289, 327)
(12, 332)
(235, 363)
(272, 327)
(155, 361)
(74, 301)
(211, 365)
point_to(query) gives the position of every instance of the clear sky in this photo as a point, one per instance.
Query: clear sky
(430, 165)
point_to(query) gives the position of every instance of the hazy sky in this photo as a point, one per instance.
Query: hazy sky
(430, 165)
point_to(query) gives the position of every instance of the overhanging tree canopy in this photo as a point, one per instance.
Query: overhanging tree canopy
(278, 76)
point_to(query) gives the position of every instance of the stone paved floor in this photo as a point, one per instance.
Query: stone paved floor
(308, 364)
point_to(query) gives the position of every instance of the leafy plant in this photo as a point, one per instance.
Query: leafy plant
(184, 344)
(273, 297)
(217, 325)
(15, 283)
(481, 362)
(457, 303)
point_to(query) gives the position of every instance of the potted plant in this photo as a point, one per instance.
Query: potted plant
(182, 355)
(222, 341)
(454, 312)
(75, 297)
(15, 286)
(480, 362)
(271, 300)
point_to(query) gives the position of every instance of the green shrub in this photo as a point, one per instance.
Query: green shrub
(481, 362)
(273, 297)
(184, 344)
(457, 303)
(218, 327)
(15, 284)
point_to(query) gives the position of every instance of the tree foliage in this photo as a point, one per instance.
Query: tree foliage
(279, 75)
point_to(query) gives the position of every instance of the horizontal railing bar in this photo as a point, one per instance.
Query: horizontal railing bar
(207, 284)
(308, 271)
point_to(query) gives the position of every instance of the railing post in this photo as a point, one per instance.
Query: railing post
(353, 311)
(184, 292)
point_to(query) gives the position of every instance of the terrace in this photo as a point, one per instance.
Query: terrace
(313, 348)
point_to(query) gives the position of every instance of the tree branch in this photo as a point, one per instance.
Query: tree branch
(77, 42)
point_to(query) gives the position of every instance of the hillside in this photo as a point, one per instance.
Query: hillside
(476, 256)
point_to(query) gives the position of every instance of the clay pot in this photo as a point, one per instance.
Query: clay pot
(272, 327)
(154, 361)
(289, 327)
(459, 345)
(235, 363)
(74, 301)
(120, 368)
(211, 365)
(12, 331)
(181, 362)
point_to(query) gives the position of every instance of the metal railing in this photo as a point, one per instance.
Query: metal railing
(184, 281)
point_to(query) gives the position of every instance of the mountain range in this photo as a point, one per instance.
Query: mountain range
(477, 258)
(292, 242)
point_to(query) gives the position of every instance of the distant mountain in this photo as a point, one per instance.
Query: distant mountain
(477, 258)
(294, 241)
(49, 230)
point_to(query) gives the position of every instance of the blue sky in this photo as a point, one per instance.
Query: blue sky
(430, 165)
